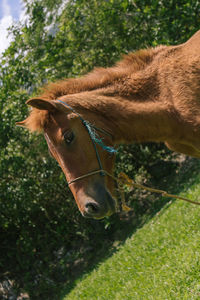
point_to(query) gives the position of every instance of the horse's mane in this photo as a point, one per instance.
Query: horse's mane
(99, 78)
(102, 77)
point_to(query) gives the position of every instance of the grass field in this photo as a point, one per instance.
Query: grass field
(161, 260)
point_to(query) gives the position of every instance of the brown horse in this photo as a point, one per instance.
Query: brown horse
(151, 95)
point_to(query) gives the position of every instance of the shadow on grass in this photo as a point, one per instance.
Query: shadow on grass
(173, 176)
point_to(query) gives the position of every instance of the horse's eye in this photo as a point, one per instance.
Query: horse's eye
(68, 137)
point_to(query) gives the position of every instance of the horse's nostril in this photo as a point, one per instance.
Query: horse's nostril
(91, 208)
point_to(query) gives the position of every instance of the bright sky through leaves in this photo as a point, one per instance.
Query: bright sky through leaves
(10, 11)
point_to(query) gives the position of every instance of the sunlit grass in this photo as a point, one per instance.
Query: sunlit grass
(160, 261)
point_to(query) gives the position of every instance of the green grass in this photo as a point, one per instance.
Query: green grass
(161, 260)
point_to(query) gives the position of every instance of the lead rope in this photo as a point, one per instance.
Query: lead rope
(123, 179)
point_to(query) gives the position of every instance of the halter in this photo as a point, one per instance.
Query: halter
(95, 140)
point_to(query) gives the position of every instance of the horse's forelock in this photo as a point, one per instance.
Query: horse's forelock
(37, 120)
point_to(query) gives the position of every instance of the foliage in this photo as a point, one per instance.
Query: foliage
(39, 220)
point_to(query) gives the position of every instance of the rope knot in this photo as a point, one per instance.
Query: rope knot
(94, 136)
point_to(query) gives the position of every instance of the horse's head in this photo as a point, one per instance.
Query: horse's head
(73, 143)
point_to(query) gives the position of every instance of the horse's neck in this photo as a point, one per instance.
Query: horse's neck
(141, 122)
(135, 109)
(135, 121)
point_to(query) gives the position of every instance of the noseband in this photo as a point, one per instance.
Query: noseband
(95, 140)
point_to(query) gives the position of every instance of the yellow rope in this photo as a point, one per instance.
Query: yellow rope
(123, 179)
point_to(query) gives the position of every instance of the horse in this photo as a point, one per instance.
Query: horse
(151, 95)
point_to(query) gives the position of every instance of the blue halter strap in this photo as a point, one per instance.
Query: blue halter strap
(95, 140)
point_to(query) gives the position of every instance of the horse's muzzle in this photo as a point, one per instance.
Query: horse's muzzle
(99, 203)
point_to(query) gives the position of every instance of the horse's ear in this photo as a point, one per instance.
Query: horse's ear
(21, 124)
(50, 105)
(42, 104)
